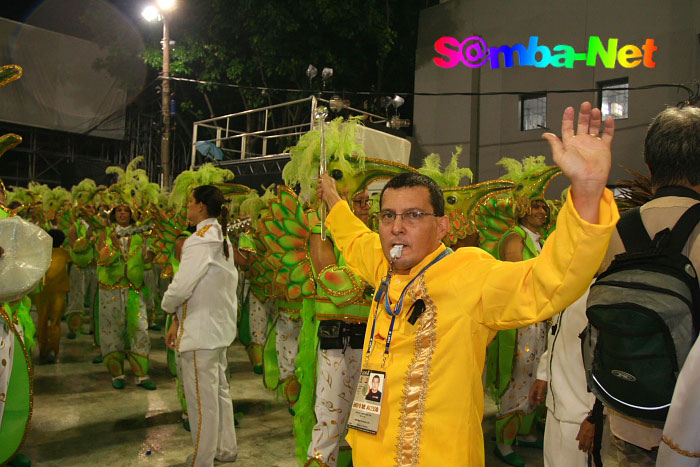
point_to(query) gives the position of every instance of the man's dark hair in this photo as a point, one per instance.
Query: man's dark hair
(58, 237)
(672, 147)
(376, 376)
(14, 204)
(411, 179)
(113, 214)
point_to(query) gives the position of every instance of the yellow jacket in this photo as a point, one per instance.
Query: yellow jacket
(433, 394)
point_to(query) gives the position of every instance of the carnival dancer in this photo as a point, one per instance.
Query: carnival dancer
(519, 350)
(16, 325)
(342, 320)
(205, 286)
(432, 359)
(83, 271)
(123, 321)
(51, 300)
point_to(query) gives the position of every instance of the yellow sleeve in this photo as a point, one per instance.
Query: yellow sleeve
(360, 246)
(514, 295)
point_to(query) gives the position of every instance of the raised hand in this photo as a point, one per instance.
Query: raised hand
(584, 157)
(327, 190)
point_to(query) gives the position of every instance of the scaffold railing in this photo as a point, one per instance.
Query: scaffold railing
(233, 143)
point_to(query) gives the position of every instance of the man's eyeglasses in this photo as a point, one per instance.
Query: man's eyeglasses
(363, 202)
(412, 217)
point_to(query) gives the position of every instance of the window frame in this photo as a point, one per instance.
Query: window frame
(521, 109)
(607, 85)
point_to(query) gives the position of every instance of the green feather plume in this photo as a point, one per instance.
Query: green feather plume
(303, 168)
(452, 175)
(517, 170)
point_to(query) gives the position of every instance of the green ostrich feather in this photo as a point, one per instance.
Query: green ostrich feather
(236, 202)
(303, 168)
(178, 196)
(150, 193)
(517, 171)
(452, 175)
(21, 195)
(190, 179)
(209, 173)
(83, 190)
(39, 190)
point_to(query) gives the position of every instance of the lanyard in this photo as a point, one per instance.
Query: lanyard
(384, 290)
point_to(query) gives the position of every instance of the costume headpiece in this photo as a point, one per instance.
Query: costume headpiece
(452, 173)
(341, 143)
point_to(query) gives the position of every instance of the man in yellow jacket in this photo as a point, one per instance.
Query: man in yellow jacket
(435, 312)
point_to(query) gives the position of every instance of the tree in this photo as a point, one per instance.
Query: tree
(370, 44)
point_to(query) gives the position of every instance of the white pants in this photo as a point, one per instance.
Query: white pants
(209, 406)
(288, 329)
(259, 315)
(335, 389)
(561, 447)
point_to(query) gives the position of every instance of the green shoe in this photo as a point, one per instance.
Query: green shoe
(147, 384)
(539, 444)
(20, 460)
(511, 459)
(71, 335)
(118, 383)
(258, 369)
(154, 327)
(97, 359)
(186, 424)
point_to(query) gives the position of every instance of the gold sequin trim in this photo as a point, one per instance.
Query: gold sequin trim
(416, 385)
(677, 448)
(104, 286)
(182, 325)
(203, 230)
(199, 405)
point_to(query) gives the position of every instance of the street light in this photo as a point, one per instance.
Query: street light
(154, 13)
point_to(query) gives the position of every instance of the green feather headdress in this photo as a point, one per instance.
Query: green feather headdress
(517, 171)
(451, 176)
(84, 191)
(254, 204)
(302, 169)
(190, 179)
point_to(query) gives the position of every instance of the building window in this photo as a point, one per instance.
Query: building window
(533, 112)
(613, 98)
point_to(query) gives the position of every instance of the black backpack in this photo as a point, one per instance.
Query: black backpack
(643, 318)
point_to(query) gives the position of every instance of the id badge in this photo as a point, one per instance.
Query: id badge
(367, 403)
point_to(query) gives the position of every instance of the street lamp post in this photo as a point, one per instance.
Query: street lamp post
(152, 13)
(165, 141)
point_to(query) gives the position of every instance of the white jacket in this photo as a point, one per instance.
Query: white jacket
(203, 292)
(562, 365)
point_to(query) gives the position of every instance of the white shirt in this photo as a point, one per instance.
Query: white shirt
(681, 439)
(205, 289)
(534, 236)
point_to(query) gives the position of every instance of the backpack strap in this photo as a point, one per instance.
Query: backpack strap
(632, 232)
(684, 227)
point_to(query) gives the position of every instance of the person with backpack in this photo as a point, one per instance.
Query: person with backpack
(656, 282)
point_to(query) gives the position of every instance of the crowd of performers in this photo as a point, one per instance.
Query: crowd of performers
(298, 308)
(301, 311)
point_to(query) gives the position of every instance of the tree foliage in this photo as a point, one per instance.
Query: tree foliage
(370, 44)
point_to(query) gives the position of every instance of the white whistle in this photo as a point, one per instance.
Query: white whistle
(395, 252)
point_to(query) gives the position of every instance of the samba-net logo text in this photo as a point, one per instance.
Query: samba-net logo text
(474, 52)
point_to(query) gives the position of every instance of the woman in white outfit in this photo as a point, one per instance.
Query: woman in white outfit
(203, 297)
